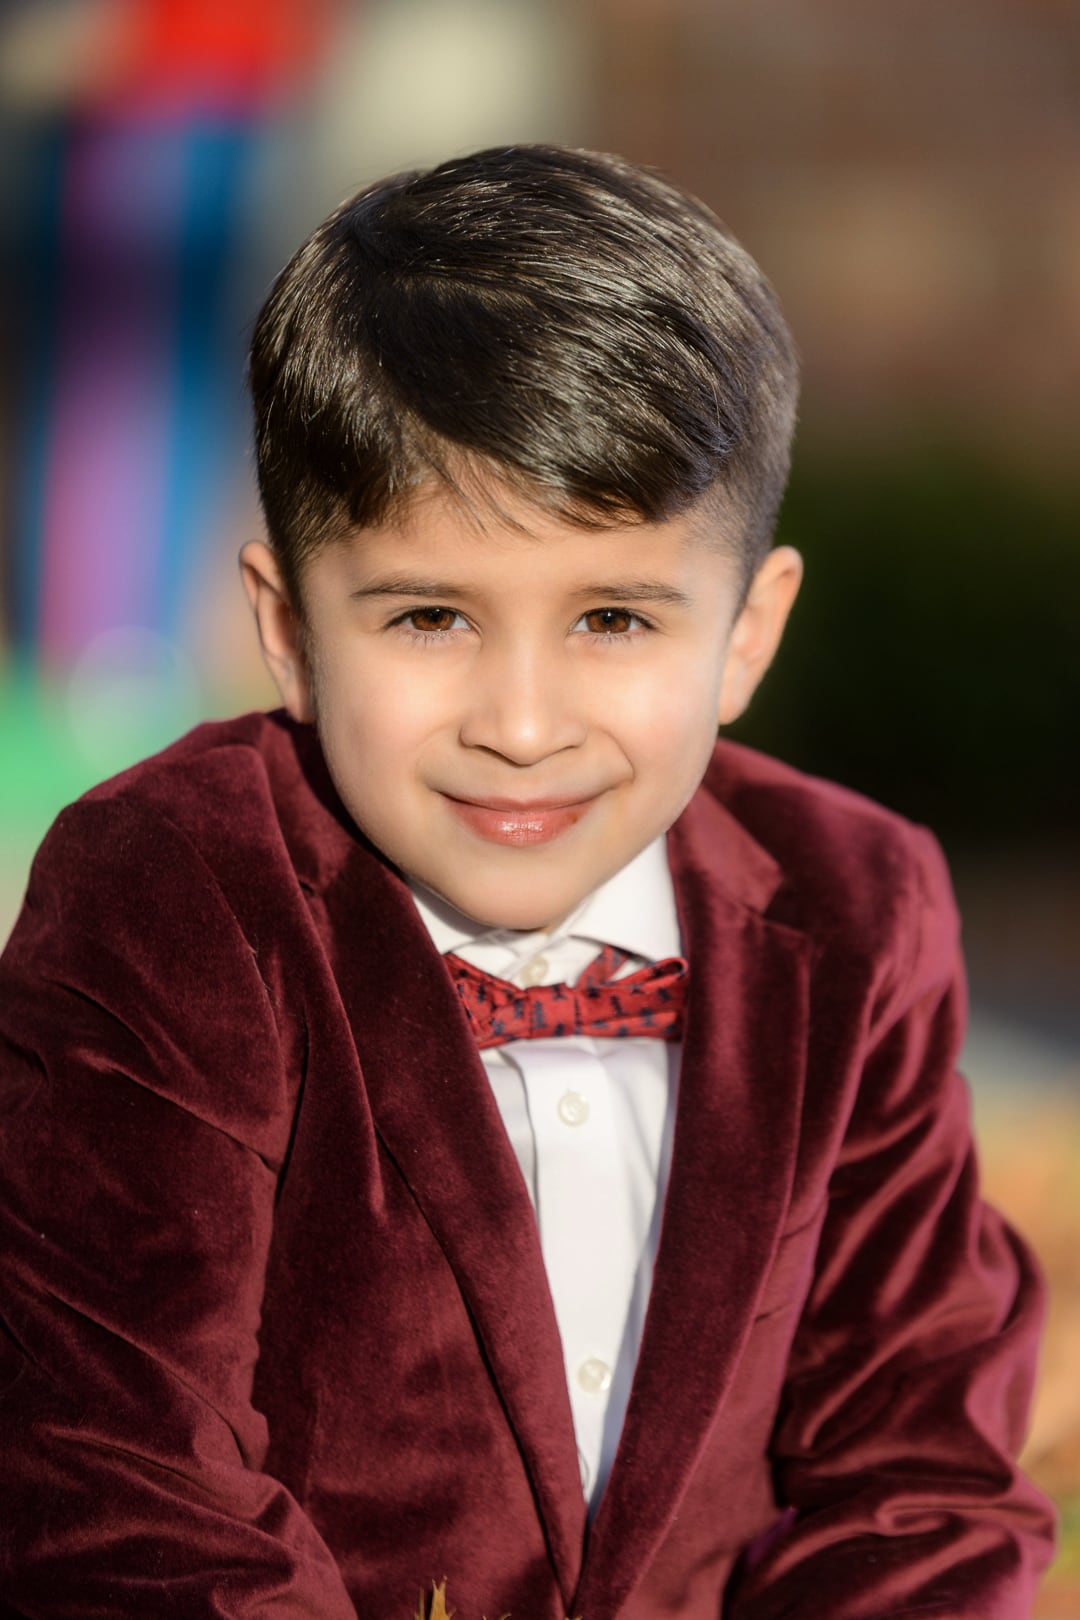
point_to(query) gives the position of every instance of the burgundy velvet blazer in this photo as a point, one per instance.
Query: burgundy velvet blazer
(277, 1336)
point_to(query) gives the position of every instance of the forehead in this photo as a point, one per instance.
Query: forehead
(506, 540)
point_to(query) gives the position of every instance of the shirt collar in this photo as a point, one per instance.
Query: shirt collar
(634, 910)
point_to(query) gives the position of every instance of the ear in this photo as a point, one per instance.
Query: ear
(756, 632)
(279, 627)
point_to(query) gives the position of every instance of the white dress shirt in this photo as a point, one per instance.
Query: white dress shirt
(590, 1121)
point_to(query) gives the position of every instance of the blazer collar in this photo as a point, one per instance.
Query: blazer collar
(708, 840)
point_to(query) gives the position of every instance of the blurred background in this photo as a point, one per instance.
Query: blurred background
(906, 173)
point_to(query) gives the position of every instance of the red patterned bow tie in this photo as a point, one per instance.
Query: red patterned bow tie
(648, 1002)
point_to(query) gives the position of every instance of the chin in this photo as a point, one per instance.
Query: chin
(521, 922)
(525, 917)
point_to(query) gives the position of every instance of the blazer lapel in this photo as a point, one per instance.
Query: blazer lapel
(736, 1133)
(434, 1110)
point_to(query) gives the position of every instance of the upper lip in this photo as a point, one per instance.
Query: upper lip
(521, 807)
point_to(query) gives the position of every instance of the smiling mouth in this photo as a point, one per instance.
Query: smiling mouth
(503, 821)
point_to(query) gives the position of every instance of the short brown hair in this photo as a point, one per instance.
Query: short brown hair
(572, 323)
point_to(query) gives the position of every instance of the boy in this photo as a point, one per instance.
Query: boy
(355, 1052)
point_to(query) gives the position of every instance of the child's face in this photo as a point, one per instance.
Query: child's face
(511, 716)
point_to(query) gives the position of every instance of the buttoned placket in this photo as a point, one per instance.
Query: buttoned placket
(586, 1220)
(593, 1186)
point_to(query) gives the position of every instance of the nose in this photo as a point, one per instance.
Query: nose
(522, 707)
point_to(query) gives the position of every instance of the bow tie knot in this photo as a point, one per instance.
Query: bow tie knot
(648, 1002)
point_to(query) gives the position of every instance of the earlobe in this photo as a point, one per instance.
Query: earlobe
(757, 631)
(279, 628)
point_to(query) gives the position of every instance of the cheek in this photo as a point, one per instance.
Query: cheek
(355, 724)
(360, 695)
(375, 727)
(669, 718)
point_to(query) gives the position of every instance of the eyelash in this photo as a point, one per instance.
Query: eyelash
(638, 624)
(401, 622)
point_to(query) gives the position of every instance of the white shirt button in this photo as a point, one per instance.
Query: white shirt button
(594, 1376)
(573, 1108)
(533, 972)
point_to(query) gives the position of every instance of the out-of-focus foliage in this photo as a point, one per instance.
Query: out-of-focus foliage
(931, 660)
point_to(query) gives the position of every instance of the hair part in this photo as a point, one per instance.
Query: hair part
(557, 322)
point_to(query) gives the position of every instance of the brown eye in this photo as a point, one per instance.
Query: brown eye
(609, 621)
(432, 619)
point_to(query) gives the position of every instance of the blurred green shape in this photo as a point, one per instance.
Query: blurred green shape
(41, 769)
(60, 737)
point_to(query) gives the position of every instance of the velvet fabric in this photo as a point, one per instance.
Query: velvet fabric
(277, 1335)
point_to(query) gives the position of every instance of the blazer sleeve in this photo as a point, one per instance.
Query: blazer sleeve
(911, 1369)
(144, 1112)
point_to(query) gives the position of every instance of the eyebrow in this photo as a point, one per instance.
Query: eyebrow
(439, 590)
(637, 590)
(408, 585)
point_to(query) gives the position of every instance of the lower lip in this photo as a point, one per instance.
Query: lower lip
(518, 828)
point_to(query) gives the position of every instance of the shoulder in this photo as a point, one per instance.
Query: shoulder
(209, 844)
(850, 872)
(168, 927)
(247, 798)
(165, 937)
(802, 819)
